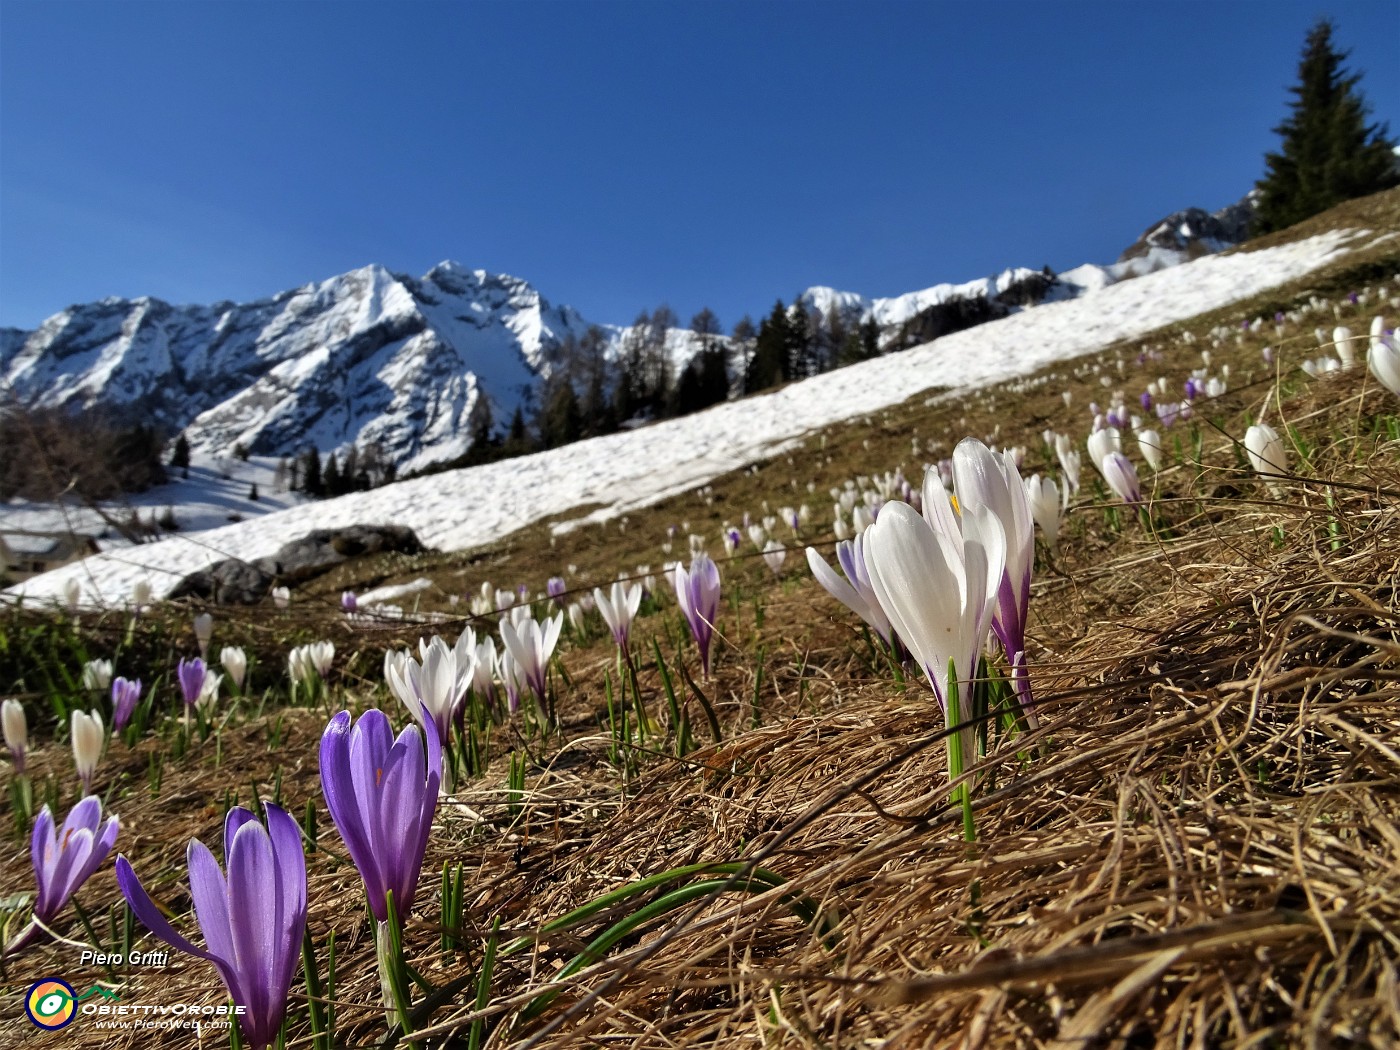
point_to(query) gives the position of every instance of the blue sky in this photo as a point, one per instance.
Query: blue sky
(618, 155)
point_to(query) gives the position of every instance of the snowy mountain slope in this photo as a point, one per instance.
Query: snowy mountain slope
(465, 508)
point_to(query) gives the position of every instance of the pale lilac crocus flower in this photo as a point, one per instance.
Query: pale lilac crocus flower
(253, 921)
(857, 594)
(697, 593)
(1122, 477)
(984, 479)
(532, 646)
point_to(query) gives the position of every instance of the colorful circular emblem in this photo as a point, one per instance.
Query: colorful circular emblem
(51, 1004)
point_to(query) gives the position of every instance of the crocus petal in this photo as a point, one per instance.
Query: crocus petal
(145, 909)
(252, 882)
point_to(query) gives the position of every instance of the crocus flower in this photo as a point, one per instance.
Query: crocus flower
(382, 794)
(235, 662)
(1101, 443)
(209, 692)
(349, 602)
(97, 675)
(1070, 463)
(16, 731)
(125, 694)
(555, 588)
(697, 593)
(1265, 450)
(86, 731)
(281, 597)
(253, 922)
(1044, 498)
(1122, 477)
(984, 479)
(1384, 361)
(191, 675)
(1346, 345)
(619, 609)
(857, 594)
(65, 859)
(774, 553)
(203, 631)
(430, 689)
(72, 594)
(937, 578)
(532, 647)
(1150, 445)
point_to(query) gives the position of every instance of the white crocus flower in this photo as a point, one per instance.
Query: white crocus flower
(1150, 445)
(16, 731)
(1265, 449)
(97, 675)
(1346, 345)
(774, 553)
(1044, 498)
(1070, 462)
(937, 578)
(86, 731)
(1101, 443)
(618, 609)
(235, 662)
(1384, 360)
(203, 631)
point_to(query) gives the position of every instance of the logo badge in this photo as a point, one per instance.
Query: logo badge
(51, 1004)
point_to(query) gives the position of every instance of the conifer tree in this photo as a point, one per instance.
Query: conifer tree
(180, 458)
(769, 364)
(311, 473)
(330, 478)
(1329, 153)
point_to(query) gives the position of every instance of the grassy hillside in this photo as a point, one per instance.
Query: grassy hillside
(1198, 845)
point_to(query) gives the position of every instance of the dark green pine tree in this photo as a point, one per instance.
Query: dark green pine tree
(311, 474)
(180, 458)
(330, 478)
(1329, 153)
(769, 364)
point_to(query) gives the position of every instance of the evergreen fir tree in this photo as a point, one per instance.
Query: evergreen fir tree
(311, 473)
(330, 478)
(769, 364)
(870, 339)
(181, 456)
(799, 349)
(1329, 153)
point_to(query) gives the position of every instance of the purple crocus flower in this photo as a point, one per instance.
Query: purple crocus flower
(697, 593)
(1146, 400)
(349, 602)
(63, 861)
(253, 922)
(1167, 412)
(382, 794)
(124, 697)
(191, 674)
(555, 588)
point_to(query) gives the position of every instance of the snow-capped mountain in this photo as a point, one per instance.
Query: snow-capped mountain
(411, 365)
(366, 357)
